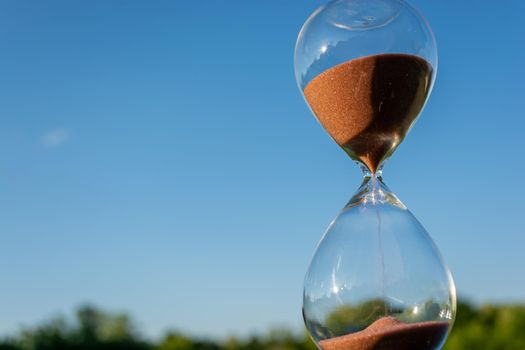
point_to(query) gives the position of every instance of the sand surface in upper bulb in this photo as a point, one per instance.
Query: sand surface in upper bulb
(368, 104)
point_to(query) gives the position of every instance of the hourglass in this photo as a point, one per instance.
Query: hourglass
(376, 280)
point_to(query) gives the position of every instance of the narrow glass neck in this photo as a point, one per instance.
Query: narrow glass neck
(367, 173)
(373, 191)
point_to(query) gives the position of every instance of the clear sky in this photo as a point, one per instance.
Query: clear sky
(156, 157)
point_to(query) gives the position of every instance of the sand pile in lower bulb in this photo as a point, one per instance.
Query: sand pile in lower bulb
(388, 333)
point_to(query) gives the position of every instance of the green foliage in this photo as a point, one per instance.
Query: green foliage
(489, 328)
(91, 329)
(175, 341)
(348, 319)
(485, 328)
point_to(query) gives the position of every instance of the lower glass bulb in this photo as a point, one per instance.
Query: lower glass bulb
(377, 280)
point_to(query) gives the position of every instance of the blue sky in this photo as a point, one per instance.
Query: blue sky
(156, 157)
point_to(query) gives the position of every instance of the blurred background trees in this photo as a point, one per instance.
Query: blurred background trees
(488, 327)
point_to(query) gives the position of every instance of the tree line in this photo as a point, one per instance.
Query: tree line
(491, 327)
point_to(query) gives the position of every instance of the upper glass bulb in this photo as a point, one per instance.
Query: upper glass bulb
(385, 45)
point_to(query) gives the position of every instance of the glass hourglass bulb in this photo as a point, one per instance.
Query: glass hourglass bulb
(376, 280)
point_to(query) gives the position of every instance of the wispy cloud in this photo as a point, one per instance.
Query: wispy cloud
(56, 137)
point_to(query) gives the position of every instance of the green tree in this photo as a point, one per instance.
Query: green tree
(175, 341)
(488, 328)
